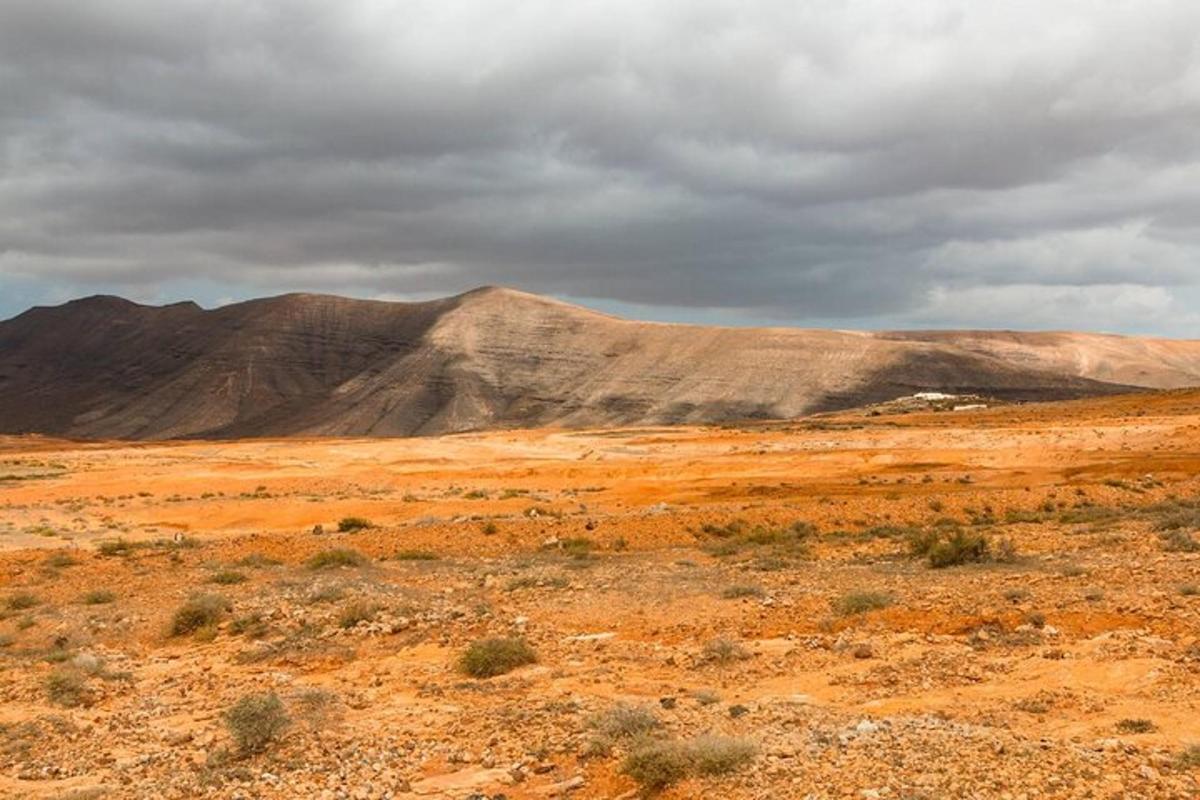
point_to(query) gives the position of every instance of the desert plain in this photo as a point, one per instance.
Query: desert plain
(986, 603)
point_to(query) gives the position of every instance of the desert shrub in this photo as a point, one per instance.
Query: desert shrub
(657, 765)
(228, 577)
(317, 708)
(352, 524)
(723, 651)
(415, 555)
(60, 560)
(21, 601)
(961, 547)
(487, 658)
(252, 626)
(719, 755)
(1136, 726)
(99, 597)
(67, 687)
(1179, 541)
(1189, 758)
(1189, 589)
(199, 611)
(258, 561)
(356, 612)
(624, 721)
(114, 547)
(742, 590)
(255, 721)
(861, 602)
(337, 557)
(489, 528)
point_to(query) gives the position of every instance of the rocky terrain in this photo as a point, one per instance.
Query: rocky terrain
(999, 603)
(103, 367)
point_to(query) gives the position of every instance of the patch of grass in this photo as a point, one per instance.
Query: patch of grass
(228, 577)
(741, 590)
(1136, 726)
(67, 687)
(114, 547)
(356, 612)
(862, 602)
(337, 557)
(199, 611)
(352, 524)
(255, 721)
(98, 597)
(487, 658)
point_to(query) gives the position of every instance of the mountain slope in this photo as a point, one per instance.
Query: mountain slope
(319, 365)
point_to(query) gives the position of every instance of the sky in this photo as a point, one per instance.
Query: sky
(826, 163)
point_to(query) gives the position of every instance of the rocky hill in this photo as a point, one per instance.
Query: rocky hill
(105, 367)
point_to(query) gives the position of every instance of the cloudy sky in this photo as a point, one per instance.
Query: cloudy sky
(852, 163)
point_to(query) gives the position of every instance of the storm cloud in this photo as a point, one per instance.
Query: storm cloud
(849, 162)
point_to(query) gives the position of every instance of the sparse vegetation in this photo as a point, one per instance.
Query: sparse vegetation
(742, 590)
(488, 658)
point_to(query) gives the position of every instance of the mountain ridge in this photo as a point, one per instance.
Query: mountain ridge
(494, 357)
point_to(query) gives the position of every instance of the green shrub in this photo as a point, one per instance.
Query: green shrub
(861, 602)
(199, 611)
(352, 524)
(337, 557)
(255, 721)
(487, 658)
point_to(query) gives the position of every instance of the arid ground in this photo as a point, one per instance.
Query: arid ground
(996, 603)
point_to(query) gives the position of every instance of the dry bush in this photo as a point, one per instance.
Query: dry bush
(199, 611)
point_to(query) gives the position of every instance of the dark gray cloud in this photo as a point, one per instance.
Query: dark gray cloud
(831, 162)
